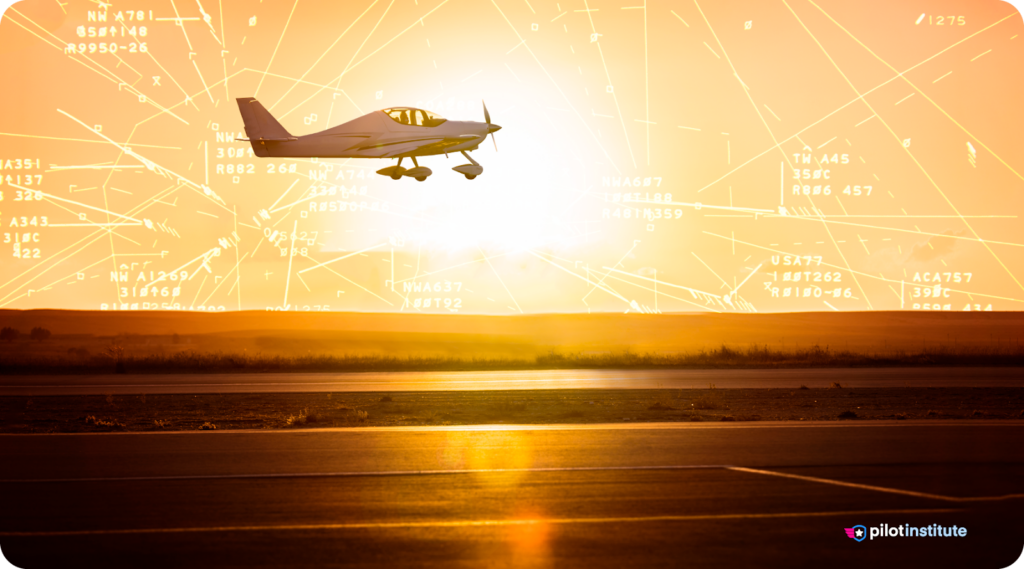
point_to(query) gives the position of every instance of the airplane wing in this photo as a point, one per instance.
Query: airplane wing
(440, 146)
(434, 144)
(404, 147)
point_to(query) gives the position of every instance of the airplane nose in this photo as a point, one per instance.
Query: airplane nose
(493, 128)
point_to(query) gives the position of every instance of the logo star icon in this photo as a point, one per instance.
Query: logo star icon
(859, 532)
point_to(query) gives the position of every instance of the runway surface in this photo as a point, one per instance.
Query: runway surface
(740, 495)
(499, 380)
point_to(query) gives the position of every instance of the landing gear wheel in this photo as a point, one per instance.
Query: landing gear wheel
(396, 176)
(468, 177)
(421, 179)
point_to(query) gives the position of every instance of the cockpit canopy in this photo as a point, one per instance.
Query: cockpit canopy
(414, 117)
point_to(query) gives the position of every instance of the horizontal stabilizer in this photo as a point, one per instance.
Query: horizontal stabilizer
(268, 139)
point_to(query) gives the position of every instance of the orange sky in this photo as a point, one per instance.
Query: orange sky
(646, 162)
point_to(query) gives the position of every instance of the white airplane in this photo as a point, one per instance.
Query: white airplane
(400, 132)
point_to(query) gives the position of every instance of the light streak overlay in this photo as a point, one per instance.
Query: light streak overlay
(651, 153)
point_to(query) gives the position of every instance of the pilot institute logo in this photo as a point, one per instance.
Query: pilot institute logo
(857, 532)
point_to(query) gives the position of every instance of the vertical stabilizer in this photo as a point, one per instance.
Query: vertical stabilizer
(260, 125)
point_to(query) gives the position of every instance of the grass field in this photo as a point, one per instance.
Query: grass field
(253, 341)
(263, 342)
(99, 413)
(115, 359)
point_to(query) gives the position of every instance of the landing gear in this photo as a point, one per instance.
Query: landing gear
(394, 172)
(421, 173)
(470, 171)
(418, 172)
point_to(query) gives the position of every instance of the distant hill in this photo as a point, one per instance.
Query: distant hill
(519, 336)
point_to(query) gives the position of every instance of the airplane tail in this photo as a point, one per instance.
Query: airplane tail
(261, 127)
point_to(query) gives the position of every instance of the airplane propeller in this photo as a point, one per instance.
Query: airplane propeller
(491, 128)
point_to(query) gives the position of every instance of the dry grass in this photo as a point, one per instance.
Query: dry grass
(509, 405)
(229, 411)
(305, 417)
(109, 423)
(118, 360)
(704, 402)
(659, 406)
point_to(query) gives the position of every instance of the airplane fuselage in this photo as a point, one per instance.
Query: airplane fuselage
(375, 135)
(400, 132)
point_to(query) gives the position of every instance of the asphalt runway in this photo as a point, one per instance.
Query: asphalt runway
(696, 495)
(503, 380)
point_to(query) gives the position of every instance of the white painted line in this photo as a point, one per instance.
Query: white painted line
(372, 473)
(390, 473)
(475, 523)
(876, 488)
(697, 380)
(342, 383)
(637, 426)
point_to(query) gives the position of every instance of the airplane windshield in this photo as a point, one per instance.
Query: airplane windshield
(414, 117)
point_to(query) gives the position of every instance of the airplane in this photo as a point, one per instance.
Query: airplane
(398, 132)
